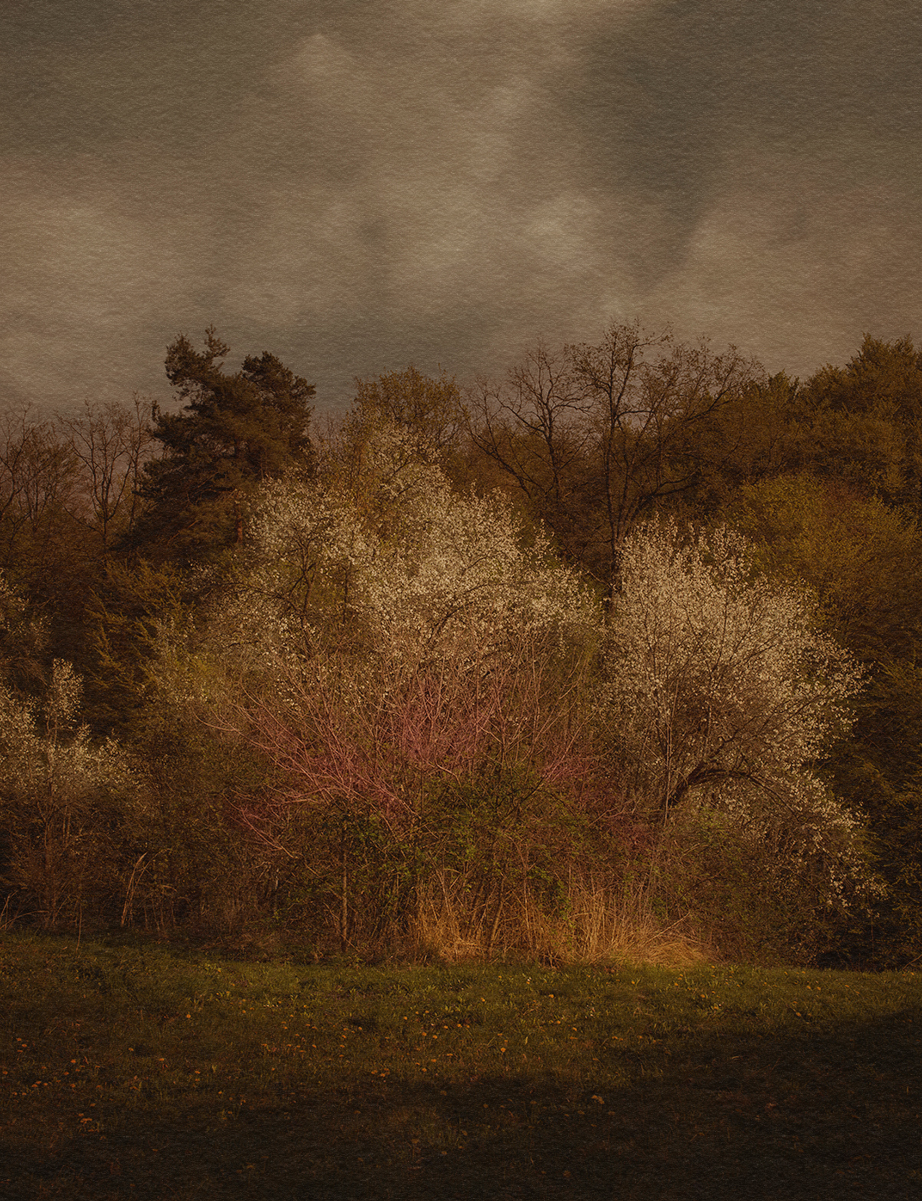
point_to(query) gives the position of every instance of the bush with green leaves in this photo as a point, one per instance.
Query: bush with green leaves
(863, 559)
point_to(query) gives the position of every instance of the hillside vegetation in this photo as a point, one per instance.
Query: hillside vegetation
(616, 656)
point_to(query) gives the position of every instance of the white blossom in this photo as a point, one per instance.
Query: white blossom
(723, 692)
(407, 567)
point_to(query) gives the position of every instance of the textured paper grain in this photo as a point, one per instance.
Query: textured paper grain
(360, 185)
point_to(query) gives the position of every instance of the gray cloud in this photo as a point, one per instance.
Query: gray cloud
(360, 186)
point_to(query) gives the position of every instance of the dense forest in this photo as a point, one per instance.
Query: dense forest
(617, 651)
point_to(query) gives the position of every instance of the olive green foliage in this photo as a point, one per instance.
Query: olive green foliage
(861, 422)
(863, 560)
(430, 411)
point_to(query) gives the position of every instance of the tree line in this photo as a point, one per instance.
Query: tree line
(619, 647)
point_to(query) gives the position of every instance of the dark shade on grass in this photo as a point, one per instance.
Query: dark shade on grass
(140, 1071)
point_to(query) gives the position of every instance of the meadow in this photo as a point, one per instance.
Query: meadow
(137, 1069)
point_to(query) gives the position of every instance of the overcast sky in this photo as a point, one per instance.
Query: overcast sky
(356, 185)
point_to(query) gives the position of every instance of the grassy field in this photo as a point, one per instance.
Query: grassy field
(139, 1070)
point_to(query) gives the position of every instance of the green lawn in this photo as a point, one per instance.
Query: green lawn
(138, 1070)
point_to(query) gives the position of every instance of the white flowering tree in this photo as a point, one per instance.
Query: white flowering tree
(404, 568)
(403, 607)
(724, 695)
(393, 641)
(61, 801)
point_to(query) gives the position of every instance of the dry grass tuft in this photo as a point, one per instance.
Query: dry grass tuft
(456, 923)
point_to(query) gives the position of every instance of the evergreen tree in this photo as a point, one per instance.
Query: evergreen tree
(233, 432)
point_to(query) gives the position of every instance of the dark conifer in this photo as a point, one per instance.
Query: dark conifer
(233, 431)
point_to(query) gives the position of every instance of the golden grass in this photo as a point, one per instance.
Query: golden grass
(593, 927)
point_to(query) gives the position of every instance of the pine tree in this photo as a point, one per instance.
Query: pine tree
(233, 432)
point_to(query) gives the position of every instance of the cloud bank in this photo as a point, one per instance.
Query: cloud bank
(356, 187)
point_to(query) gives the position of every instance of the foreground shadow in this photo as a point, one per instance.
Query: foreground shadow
(763, 1118)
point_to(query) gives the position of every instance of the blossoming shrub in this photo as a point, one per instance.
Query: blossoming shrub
(722, 698)
(398, 565)
(62, 800)
(414, 662)
(92, 832)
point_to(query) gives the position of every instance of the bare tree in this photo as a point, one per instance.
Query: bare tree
(596, 435)
(111, 442)
(37, 487)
